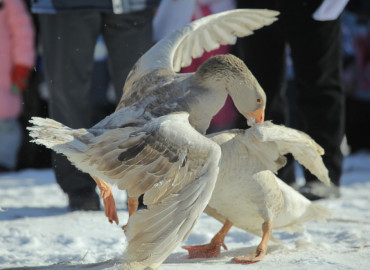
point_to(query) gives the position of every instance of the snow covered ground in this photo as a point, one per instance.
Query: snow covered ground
(37, 231)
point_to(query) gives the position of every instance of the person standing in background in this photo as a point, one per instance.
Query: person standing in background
(313, 31)
(69, 30)
(17, 56)
(356, 74)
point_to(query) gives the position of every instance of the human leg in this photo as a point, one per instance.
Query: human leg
(127, 37)
(316, 55)
(68, 42)
(264, 54)
(10, 141)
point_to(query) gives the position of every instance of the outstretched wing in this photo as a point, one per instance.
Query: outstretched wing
(173, 165)
(304, 149)
(167, 160)
(177, 49)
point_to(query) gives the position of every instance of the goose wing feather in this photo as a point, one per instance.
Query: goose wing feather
(304, 149)
(174, 166)
(208, 33)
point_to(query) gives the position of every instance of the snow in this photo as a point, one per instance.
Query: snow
(38, 232)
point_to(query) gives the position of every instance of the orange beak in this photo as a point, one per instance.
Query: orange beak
(259, 115)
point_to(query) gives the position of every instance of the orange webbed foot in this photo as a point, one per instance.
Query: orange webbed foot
(252, 258)
(212, 249)
(204, 251)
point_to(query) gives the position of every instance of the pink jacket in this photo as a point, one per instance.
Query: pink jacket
(16, 47)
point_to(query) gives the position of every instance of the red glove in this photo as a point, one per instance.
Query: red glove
(20, 76)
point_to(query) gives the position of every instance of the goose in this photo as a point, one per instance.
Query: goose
(154, 142)
(250, 196)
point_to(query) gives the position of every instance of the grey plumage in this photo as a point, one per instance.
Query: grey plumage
(153, 144)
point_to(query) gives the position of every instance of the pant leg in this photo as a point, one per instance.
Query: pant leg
(10, 142)
(127, 37)
(357, 112)
(316, 55)
(100, 85)
(68, 42)
(264, 54)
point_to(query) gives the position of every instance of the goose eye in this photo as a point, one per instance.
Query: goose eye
(259, 101)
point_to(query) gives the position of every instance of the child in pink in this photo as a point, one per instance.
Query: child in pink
(16, 60)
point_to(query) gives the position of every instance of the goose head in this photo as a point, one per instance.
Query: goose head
(230, 74)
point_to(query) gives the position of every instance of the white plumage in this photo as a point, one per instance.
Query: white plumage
(154, 144)
(248, 194)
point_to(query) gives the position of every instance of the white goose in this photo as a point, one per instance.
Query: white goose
(153, 144)
(249, 196)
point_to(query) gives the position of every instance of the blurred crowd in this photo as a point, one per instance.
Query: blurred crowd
(40, 77)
